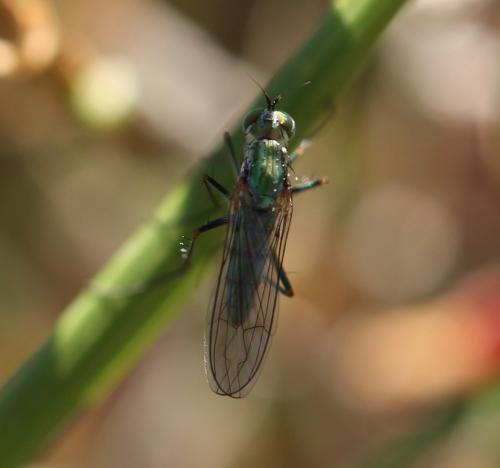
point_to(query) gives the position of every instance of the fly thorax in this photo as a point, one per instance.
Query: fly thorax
(266, 171)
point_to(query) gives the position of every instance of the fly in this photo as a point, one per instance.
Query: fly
(243, 316)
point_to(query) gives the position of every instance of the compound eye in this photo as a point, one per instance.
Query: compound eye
(251, 118)
(288, 125)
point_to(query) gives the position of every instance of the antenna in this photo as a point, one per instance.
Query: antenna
(270, 104)
(275, 101)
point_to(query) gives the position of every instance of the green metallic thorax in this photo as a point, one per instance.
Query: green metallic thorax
(266, 168)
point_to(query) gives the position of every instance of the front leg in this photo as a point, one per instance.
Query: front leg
(310, 184)
(300, 150)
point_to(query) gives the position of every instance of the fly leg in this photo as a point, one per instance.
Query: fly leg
(283, 284)
(188, 251)
(232, 152)
(304, 144)
(309, 185)
(300, 150)
(211, 182)
(134, 289)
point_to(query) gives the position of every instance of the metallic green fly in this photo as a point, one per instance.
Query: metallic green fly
(243, 316)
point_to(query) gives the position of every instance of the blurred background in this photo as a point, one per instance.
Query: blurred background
(392, 343)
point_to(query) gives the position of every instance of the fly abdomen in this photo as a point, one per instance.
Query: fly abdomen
(250, 264)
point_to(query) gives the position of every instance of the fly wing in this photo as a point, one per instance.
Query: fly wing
(243, 317)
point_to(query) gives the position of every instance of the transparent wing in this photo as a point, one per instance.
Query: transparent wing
(243, 317)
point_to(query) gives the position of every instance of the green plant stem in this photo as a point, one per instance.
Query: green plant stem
(102, 335)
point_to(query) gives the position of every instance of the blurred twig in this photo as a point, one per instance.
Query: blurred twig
(99, 337)
(406, 450)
